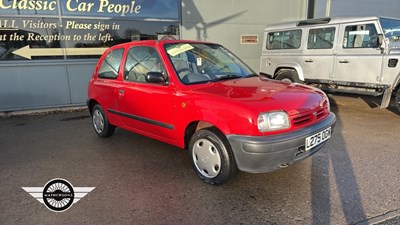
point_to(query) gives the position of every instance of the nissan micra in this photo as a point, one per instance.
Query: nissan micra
(201, 97)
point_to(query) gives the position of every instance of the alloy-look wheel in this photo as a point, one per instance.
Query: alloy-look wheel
(211, 156)
(100, 122)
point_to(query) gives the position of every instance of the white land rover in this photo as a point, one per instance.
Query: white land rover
(355, 55)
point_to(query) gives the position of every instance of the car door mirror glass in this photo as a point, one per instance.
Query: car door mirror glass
(379, 41)
(155, 78)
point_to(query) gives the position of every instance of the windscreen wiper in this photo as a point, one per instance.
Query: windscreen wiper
(252, 75)
(228, 77)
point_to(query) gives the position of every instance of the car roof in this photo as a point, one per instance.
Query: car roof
(320, 21)
(158, 42)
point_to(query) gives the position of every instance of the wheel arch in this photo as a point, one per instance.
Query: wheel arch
(195, 126)
(294, 67)
(396, 83)
(90, 104)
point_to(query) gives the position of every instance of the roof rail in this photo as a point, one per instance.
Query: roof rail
(313, 21)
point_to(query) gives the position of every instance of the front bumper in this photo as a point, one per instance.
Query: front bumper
(267, 153)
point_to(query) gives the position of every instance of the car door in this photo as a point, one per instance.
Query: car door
(318, 59)
(107, 81)
(359, 58)
(146, 108)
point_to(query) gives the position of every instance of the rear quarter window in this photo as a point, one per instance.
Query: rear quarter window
(290, 39)
(110, 66)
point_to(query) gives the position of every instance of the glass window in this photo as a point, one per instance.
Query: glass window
(91, 33)
(17, 7)
(140, 61)
(360, 36)
(201, 63)
(28, 39)
(33, 27)
(290, 39)
(391, 29)
(321, 38)
(157, 9)
(110, 66)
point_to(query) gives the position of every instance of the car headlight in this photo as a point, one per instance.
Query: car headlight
(327, 101)
(273, 121)
(324, 98)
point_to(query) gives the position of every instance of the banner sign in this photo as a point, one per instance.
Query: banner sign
(165, 9)
(52, 29)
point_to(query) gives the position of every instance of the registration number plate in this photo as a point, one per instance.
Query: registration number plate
(318, 138)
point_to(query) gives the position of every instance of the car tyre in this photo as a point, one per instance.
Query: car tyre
(211, 156)
(397, 98)
(100, 122)
(289, 76)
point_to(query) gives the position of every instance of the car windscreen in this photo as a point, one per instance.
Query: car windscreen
(391, 29)
(200, 63)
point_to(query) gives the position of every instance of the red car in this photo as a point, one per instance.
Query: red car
(199, 96)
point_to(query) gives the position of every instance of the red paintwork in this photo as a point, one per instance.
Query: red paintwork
(232, 106)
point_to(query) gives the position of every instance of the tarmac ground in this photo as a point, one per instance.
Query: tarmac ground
(354, 179)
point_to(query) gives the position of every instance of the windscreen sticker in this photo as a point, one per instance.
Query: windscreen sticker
(178, 49)
(199, 62)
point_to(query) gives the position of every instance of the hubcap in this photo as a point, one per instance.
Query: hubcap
(98, 121)
(206, 158)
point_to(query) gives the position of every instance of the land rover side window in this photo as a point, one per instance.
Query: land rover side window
(141, 60)
(290, 39)
(360, 36)
(321, 38)
(110, 66)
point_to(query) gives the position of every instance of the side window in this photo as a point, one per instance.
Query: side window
(110, 66)
(141, 60)
(321, 38)
(290, 39)
(360, 36)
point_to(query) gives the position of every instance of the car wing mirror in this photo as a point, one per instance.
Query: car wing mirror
(379, 41)
(155, 78)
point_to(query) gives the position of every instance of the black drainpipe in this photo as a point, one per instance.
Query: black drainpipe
(311, 8)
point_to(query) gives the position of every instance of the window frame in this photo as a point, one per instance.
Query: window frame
(346, 35)
(268, 46)
(332, 42)
(154, 54)
(104, 60)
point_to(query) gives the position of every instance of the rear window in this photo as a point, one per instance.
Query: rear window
(290, 39)
(110, 66)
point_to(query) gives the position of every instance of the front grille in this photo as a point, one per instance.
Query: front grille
(302, 119)
(321, 113)
(312, 116)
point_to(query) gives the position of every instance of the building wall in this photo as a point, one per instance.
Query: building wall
(44, 84)
(224, 21)
(385, 8)
(46, 79)
(56, 81)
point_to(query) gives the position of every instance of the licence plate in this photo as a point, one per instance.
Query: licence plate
(318, 138)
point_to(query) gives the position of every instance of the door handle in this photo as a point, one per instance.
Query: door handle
(309, 61)
(121, 93)
(344, 61)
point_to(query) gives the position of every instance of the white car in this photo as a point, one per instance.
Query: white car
(354, 55)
